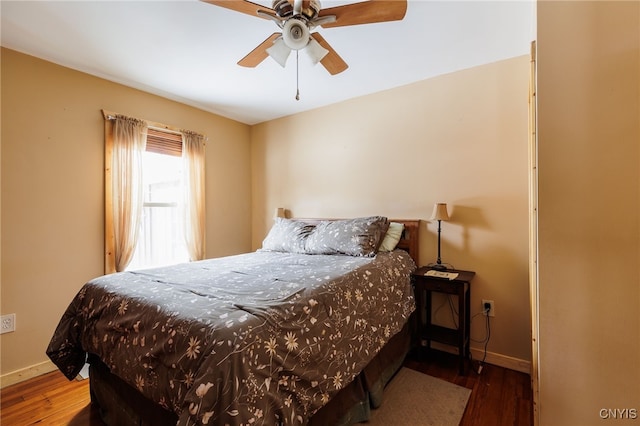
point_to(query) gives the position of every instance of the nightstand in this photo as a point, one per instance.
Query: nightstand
(423, 286)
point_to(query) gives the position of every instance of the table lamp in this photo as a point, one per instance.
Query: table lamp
(439, 214)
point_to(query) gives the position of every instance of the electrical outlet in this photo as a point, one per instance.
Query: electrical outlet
(7, 323)
(492, 309)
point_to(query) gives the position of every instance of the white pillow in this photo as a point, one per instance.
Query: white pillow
(392, 237)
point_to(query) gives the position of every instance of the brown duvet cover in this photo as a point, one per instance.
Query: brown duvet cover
(258, 338)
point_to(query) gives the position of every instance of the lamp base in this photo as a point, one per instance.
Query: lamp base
(438, 267)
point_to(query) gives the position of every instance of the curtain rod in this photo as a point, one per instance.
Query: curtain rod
(109, 115)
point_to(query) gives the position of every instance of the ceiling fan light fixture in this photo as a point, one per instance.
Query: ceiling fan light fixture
(279, 52)
(295, 34)
(312, 9)
(282, 8)
(316, 51)
(298, 18)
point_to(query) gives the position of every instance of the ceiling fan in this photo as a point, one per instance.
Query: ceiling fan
(298, 18)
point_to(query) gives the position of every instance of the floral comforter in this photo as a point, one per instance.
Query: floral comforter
(257, 338)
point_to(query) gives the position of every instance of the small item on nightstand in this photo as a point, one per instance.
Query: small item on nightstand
(441, 274)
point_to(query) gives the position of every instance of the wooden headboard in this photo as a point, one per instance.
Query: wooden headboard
(409, 240)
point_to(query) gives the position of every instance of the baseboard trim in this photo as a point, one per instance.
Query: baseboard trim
(500, 360)
(26, 373)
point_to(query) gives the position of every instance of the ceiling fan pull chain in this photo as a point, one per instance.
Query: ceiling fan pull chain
(297, 79)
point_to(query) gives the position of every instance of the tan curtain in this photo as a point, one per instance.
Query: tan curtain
(193, 154)
(124, 147)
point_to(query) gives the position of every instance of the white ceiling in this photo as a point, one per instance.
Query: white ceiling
(187, 50)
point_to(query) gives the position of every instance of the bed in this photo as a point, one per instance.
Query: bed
(306, 330)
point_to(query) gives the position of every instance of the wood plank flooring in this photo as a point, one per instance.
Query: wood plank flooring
(499, 396)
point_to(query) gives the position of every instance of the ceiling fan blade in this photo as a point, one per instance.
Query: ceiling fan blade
(332, 61)
(259, 54)
(243, 6)
(366, 12)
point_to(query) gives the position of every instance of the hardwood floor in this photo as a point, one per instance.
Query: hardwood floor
(499, 396)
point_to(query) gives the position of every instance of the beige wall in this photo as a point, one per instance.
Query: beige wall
(460, 138)
(52, 189)
(589, 205)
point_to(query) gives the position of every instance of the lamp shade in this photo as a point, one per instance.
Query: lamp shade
(315, 51)
(279, 52)
(440, 212)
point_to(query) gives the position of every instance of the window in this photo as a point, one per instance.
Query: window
(154, 193)
(160, 239)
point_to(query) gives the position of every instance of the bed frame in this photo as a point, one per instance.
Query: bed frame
(121, 405)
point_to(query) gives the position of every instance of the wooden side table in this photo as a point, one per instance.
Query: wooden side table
(423, 286)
